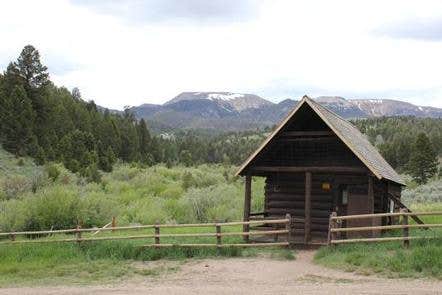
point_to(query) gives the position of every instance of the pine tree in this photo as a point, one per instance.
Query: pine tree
(78, 150)
(35, 79)
(106, 159)
(389, 153)
(186, 158)
(31, 69)
(17, 127)
(129, 151)
(144, 140)
(423, 161)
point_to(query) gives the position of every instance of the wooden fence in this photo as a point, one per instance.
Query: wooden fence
(157, 236)
(335, 227)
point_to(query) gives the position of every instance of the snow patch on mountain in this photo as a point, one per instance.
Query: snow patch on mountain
(224, 96)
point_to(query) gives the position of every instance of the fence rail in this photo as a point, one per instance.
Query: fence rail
(218, 234)
(335, 227)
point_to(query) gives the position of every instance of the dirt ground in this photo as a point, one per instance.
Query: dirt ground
(251, 276)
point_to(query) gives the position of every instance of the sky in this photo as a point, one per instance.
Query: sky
(130, 52)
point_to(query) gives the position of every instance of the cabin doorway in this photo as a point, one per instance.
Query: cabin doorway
(358, 203)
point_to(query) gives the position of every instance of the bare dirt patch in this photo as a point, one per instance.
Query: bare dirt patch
(249, 276)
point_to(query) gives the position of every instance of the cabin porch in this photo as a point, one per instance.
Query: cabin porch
(310, 198)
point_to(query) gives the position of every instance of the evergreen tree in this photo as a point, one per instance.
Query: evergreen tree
(106, 159)
(31, 69)
(186, 157)
(78, 150)
(423, 162)
(35, 79)
(129, 150)
(144, 140)
(389, 153)
(17, 123)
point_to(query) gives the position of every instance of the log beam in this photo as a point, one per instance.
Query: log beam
(308, 205)
(371, 202)
(370, 195)
(247, 204)
(308, 133)
(343, 169)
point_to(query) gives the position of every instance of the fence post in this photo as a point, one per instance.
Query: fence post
(288, 227)
(157, 233)
(218, 238)
(12, 237)
(405, 229)
(78, 234)
(331, 225)
(114, 223)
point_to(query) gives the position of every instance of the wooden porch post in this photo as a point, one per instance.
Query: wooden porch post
(371, 202)
(370, 195)
(308, 205)
(247, 202)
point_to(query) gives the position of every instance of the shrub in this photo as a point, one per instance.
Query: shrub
(430, 192)
(98, 209)
(147, 211)
(12, 215)
(211, 203)
(92, 174)
(124, 173)
(14, 186)
(132, 194)
(57, 208)
(52, 171)
(38, 180)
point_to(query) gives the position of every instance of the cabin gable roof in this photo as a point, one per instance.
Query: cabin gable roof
(346, 132)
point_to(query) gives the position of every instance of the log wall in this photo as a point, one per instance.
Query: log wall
(285, 193)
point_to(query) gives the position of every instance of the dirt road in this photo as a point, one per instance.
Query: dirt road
(252, 276)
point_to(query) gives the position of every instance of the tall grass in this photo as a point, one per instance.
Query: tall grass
(422, 259)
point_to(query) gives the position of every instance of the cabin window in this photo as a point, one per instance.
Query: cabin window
(344, 196)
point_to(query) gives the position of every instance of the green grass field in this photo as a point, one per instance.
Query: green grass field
(423, 258)
(95, 262)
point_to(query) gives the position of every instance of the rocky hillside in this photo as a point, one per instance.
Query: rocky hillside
(237, 111)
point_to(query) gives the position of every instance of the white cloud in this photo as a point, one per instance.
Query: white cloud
(287, 48)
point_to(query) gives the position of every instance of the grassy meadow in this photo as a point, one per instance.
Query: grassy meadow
(44, 197)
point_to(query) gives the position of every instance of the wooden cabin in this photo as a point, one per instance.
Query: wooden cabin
(316, 163)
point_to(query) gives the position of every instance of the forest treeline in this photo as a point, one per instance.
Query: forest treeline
(50, 123)
(395, 136)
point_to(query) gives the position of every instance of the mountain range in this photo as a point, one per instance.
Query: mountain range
(236, 111)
